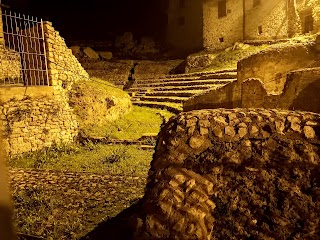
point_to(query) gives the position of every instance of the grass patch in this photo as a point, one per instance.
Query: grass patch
(133, 125)
(97, 158)
(229, 58)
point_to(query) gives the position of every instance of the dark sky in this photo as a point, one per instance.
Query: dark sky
(96, 19)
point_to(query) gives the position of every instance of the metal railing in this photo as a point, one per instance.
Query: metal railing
(22, 51)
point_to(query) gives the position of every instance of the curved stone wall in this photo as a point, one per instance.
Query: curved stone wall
(235, 174)
(271, 66)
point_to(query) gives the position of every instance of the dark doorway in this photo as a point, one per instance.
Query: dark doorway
(308, 24)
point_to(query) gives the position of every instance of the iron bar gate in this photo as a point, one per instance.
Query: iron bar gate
(22, 51)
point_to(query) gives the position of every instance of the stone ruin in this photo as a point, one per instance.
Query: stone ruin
(234, 174)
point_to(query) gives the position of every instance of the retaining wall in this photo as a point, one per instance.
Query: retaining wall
(38, 117)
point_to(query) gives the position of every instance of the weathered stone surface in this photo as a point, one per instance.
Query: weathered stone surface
(90, 53)
(106, 55)
(236, 188)
(76, 50)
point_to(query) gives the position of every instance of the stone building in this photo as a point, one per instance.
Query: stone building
(217, 24)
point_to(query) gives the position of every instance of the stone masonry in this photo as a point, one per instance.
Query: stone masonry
(235, 174)
(33, 123)
(64, 68)
(34, 117)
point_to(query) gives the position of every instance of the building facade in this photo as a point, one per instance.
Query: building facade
(221, 23)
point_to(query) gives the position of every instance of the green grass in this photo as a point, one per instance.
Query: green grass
(97, 158)
(229, 59)
(133, 125)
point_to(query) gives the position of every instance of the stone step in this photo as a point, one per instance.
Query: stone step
(175, 88)
(171, 107)
(160, 99)
(188, 93)
(175, 78)
(186, 83)
(184, 75)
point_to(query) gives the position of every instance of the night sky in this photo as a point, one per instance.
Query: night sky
(96, 19)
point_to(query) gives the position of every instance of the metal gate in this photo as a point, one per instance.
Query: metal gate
(22, 51)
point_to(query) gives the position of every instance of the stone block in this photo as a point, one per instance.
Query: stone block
(106, 55)
(90, 53)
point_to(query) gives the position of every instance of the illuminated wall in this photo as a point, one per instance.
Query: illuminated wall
(184, 29)
(268, 20)
(309, 8)
(222, 32)
(239, 20)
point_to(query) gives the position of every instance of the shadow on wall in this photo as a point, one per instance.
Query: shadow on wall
(308, 99)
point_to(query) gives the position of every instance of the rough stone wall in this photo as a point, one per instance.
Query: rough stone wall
(10, 67)
(63, 66)
(38, 117)
(270, 15)
(235, 174)
(312, 7)
(37, 121)
(230, 27)
(272, 65)
(185, 25)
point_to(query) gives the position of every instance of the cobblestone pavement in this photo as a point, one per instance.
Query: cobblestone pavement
(89, 197)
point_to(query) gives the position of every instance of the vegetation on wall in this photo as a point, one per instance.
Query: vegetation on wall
(97, 102)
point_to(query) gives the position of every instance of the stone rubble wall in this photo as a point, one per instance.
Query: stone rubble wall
(38, 117)
(10, 66)
(64, 68)
(33, 123)
(234, 174)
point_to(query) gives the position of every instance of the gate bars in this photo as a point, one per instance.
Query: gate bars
(22, 51)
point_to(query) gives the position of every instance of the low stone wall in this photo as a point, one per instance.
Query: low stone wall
(227, 96)
(37, 121)
(272, 65)
(234, 174)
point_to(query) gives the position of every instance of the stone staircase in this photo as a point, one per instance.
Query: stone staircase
(170, 91)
